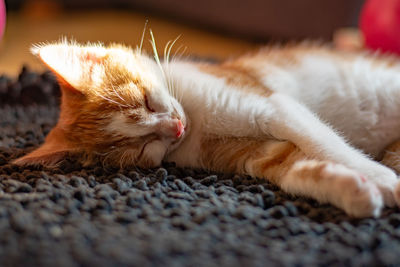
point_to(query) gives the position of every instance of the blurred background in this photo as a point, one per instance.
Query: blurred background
(208, 28)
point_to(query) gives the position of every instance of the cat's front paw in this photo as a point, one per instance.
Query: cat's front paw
(363, 200)
(386, 181)
(358, 196)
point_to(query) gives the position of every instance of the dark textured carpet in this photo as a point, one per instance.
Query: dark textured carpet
(74, 216)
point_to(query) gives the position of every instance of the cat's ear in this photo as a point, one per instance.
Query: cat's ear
(52, 151)
(77, 67)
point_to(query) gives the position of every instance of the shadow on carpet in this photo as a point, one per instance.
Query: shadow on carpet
(91, 216)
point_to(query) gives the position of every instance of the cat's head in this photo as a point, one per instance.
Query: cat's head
(116, 106)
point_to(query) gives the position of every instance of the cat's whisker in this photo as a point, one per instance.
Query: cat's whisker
(169, 83)
(180, 55)
(156, 57)
(143, 33)
(154, 47)
(105, 156)
(178, 96)
(108, 155)
(174, 92)
(118, 95)
(165, 50)
(170, 48)
(111, 101)
(126, 156)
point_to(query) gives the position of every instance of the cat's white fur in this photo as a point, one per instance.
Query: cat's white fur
(358, 100)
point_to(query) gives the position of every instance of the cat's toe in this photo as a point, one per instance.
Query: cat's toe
(363, 199)
(388, 192)
(359, 197)
(386, 181)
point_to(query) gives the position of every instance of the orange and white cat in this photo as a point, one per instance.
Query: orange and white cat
(310, 119)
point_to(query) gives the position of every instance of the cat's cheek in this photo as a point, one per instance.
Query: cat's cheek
(155, 152)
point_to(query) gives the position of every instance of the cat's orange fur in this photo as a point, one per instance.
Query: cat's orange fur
(270, 158)
(84, 112)
(238, 76)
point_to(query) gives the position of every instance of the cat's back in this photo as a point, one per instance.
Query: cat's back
(270, 69)
(319, 76)
(307, 65)
(291, 69)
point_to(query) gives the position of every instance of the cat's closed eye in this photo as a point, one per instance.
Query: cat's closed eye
(146, 99)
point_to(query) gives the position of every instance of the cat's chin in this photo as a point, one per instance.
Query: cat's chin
(174, 145)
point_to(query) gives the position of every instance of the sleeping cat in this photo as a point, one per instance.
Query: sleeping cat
(310, 119)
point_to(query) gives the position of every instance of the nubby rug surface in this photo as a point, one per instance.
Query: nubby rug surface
(92, 216)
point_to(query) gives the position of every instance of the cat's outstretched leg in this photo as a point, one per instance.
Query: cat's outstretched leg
(325, 181)
(284, 164)
(336, 184)
(286, 119)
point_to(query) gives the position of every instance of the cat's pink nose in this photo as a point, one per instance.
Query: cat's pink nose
(172, 128)
(180, 129)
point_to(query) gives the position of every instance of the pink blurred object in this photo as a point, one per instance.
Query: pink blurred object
(380, 25)
(2, 18)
